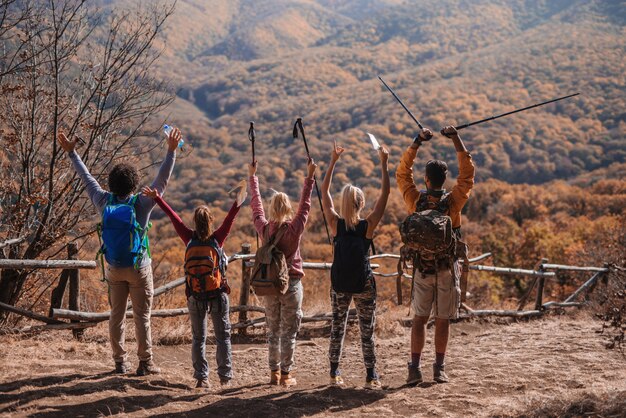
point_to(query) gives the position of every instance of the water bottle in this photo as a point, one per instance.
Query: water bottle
(167, 129)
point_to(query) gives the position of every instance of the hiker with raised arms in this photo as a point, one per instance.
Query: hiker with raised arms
(206, 285)
(128, 269)
(351, 274)
(283, 310)
(436, 269)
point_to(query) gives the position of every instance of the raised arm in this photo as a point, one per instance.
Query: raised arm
(465, 180)
(163, 176)
(97, 195)
(299, 221)
(184, 232)
(222, 232)
(404, 173)
(258, 214)
(379, 208)
(327, 200)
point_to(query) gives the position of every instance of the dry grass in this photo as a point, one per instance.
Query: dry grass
(555, 366)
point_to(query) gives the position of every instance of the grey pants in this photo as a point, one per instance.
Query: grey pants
(365, 303)
(284, 314)
(218, 309)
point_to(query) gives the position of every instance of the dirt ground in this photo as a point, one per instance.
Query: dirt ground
(520, 369)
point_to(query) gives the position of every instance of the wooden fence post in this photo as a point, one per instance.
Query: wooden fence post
(244, 297)
(74, 278)
(56, 299)
(540, 286)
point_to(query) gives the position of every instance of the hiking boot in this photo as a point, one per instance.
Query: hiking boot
(439, 373)
(415, 375)
(147, 367)
(287, 380)
(274, 377)
(203, 383)
(225, 382)
(336, 380)
(121, 367)
(373, 383)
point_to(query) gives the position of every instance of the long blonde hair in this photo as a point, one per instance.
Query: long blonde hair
(352, 202)
(203, 219)
(280, 208)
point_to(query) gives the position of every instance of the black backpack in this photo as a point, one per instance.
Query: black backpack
(351, 265)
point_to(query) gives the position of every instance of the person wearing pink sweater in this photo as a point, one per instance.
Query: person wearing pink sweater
(217, 306)
(283, 312)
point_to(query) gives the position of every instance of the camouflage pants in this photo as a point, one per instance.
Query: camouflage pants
(365, 303)
(283, 316)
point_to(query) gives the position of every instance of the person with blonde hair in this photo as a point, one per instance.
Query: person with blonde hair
(206, 286)
(284, 311)
(351, 274)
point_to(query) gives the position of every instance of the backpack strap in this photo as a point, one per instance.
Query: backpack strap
(341, 227)
(278, 235)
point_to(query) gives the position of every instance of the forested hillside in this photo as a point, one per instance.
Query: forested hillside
(452, 62)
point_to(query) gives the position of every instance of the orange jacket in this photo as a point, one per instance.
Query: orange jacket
(460, 192)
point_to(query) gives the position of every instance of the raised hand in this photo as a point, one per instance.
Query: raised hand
(449, 131)
(173, 139)
(425, 134)
(66, 144)
(311, 167)
(151, 193)
(383, 153)
(252, 169)
(337, 151)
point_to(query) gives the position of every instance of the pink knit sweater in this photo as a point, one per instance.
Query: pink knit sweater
(290, 242)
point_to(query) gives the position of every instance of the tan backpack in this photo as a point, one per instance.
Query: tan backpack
(270, 274)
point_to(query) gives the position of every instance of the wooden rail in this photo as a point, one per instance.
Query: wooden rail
(80, 320)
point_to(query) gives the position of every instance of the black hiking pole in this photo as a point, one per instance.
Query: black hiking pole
(252, 138)
(401, 104)
(467, 125)
(298, 126)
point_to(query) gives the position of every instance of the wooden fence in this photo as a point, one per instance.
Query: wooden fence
(78, 320)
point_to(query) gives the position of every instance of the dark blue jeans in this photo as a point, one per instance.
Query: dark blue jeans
(218, 309)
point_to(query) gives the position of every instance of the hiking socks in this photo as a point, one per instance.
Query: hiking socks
(284, 373)
(440, 358)
(334, 369)
(415, 359)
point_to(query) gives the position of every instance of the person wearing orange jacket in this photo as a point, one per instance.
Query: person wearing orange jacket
(436, 287)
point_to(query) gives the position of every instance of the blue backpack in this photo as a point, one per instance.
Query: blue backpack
(124, 242)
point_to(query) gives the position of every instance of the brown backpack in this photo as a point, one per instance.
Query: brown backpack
(270, 274)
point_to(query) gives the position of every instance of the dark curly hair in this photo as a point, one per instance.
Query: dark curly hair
(436, 171)
(123, 180)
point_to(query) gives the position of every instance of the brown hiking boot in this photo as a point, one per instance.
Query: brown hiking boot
(274, 377)
(121, 367)
(147, 367)
(439, 373)
(415, 375)
(287, 380)
(202, 383)
(225, 382)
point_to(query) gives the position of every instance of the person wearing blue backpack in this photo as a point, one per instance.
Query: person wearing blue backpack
(351, 274)
(125, 247)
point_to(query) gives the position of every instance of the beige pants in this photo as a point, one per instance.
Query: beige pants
(437, 295)
(137, 283)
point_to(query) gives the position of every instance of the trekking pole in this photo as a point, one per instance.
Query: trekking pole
(298, 127)
(467, 125)
(252, 138)
(400, 101)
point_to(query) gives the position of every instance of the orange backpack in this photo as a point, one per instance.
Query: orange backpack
(205, 268)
